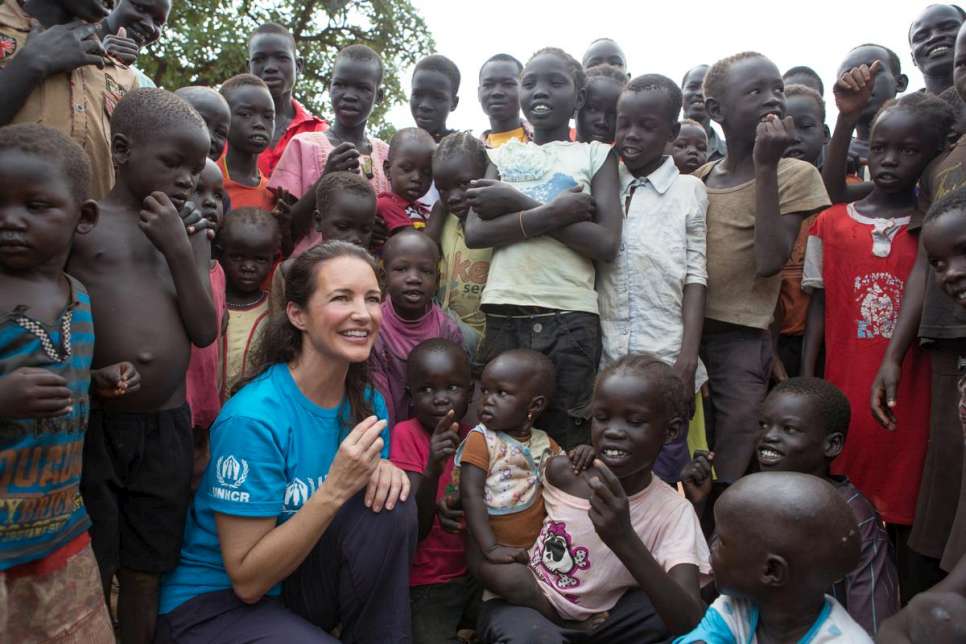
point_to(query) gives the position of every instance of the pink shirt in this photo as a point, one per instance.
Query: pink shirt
(202, 375)
(301, 166)
(397, 337)
(440, 556)
(581, 576)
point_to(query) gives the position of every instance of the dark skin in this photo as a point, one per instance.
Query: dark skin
(932, 37)
(272, 57)
(589, 225)
(597, 117)
(453, 177)
(944, 240)
(355, 89)
(410, 167)
(605, 52)
(214, 109)
(432, 99)
(693, 95)
(209, 194)
(810, 134)
(631, 422)
(803, 79)
(133, 25)
(885, 87)
(39, 217)
(64, 39)
(247, 251)
(499, 94)
(441, 388)
(751, 111)
(250, 132)
(410, 261)
(689, 149)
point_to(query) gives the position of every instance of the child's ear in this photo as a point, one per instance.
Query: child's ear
(713, 108)
(380, 94)
(675, 131)
(537, 405)
(385, 168)
(581, 98)
(120, 149)
(902, 82)
(833, 444)
(456, 101)
(299, 64)
(317, 218)
(774, 573)
(828, 134)
(674, 428)
(89, 213)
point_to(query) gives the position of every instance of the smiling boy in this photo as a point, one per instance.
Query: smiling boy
(932, 36)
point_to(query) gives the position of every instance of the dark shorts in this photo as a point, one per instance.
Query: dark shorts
(572, 340)
(136, 485)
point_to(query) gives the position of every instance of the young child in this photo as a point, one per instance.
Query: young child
(651, 297)
(410, 171)
(620, 555)
(249, 134)
(540, 289)
(605, 51)
(499, 95)
(690, 148)
(410, 261)
(140, 261)
(273, 57)
(202, 382)
(459, 159)
(46, 384)
(856, 264)
(249, 240)
(803, 75)
(783, 539)
(438, 379)
(597, 116)
(692, 89)
(214, 109)
(804, 426)
(435, 93)
(931, 37)
(757, 201)
(355, 89)
(807, 110)
(38, 75)
(345, 211)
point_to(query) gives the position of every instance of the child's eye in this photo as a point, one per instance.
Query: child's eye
(37, 205)
(452, 388)
(789, 429)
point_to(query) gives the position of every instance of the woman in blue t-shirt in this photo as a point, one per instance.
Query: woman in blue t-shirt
(281, 543)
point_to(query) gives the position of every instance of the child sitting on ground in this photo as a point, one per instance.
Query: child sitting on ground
(459, 159)
(410, 171)
(856, 264)
(214, 109)
(355, 88)
(249, 134)
(435, 93)
(140, 260)
(248, 241)
(804, 424)
(438, 379)
(597, 116)
(620, 553)
(410, 262)
(783, 539)
(690, 148)
(651, 296)
(46, 384)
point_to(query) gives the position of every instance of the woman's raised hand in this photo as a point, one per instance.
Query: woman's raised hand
(357, 459)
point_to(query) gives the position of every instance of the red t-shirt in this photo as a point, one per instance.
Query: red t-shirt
(201, 378)
(399, 213)
(303, 121)
(440, 557)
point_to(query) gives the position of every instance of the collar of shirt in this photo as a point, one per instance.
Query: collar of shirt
(302, 115)
(661, 179)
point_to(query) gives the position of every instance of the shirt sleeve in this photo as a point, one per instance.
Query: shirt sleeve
(408, 452)
(812, 272)
(299, 161)
(246, 474)
(713, 628)
(474, 451)
(872, 592)
(682, 541)
(800, 188)
(697, 238)
(391, 213)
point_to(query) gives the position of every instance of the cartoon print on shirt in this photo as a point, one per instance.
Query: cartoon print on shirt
(878, 296)
(556, 559)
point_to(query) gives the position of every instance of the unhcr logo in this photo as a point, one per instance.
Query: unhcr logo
(231, 472)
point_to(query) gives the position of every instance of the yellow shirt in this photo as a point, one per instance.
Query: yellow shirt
(496, 139)
(463, 273)
(245, 327)
(79, 103)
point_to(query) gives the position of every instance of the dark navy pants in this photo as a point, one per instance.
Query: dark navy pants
(356, 578)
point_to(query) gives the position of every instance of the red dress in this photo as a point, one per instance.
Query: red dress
(863, 291)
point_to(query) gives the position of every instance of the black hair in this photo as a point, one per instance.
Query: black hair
(672, 391)
(804, 90)
(694, 123)
(462, 144)
(191, 92)
(895, 64)
(576, 69)
(605, 70)
(956, 7)
(336, 182)
(409, 134)
(242, 80)
(443, 65)
(251, 217)
(955, 101)
(150, 111)
(662, 84)
(402, 233)
(716, 79)
(684, 78)
(933, 113)
(505, 58)
(281, 342)
(822, 395)
(438, 345)
(542, 374)
(364, 54)
(55, 148)
(275, 29)
(953, 201)
(606, 39)
(804, 70)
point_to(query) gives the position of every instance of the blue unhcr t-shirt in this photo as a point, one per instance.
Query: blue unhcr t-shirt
(271, 448)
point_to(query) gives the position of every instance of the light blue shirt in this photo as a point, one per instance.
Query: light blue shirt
(271, 448)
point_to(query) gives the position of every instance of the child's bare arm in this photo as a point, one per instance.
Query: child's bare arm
(443, 444)
(568, 208)
(472, 480)
(814, 332)
(437, 220)
(852, 93)
(775, 233)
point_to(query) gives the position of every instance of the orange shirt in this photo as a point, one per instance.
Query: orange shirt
(243, 196)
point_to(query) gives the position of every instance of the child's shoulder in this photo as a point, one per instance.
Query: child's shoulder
(560, 474)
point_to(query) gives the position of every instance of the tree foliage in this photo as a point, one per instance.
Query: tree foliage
(205, 42)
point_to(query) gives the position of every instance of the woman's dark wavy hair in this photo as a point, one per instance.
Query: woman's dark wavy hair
(282, 342)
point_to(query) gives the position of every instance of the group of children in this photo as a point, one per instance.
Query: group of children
(578, 305)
